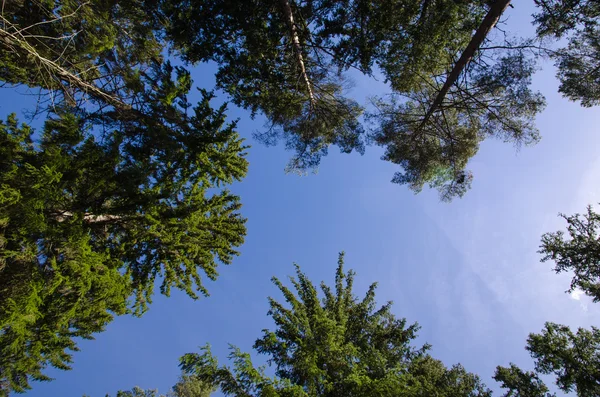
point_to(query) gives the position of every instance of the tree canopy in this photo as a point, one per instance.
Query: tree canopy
(187, 386)
(577, 252)
(334, 345)
(520, 383)
(121, 189)
(578, 62)
(572, 357)
(450, 88)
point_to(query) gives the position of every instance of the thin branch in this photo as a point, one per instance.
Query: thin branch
(17, 41)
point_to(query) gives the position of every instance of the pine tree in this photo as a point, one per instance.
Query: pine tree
(572, 357)
(191, 386)
(76, 52)
(450, 89)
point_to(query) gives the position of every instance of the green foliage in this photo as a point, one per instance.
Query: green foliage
(89, 220)
(53, 44)
(260, 69)
(520, 383)
(429, 377)
(334, 345)
(122, 190)
(292, 68)
(187, 386)
(138, 392)
(579, 253)
(578, 63)
(191, 386)
(572, 357)
(295, 78)
(491, 98)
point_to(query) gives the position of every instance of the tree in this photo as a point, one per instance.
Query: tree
(334, 345)
(478, 89)
(89, 221)
(124, 186)
(191, 386)
(520, 383)
(578, 63)
(265, 65)
(187, 386)
(579, 253)
(76, 51)
(137, 392)
(286, 60)
(572, 357)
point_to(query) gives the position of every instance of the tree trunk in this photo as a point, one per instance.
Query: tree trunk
(491, 19)
(289, 19)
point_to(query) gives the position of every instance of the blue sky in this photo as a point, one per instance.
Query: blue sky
(467, 271)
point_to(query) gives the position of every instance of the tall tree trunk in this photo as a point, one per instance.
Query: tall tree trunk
(289, 19)
(491, 19)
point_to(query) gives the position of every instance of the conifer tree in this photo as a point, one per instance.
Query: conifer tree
(122, 189)
(334, 344)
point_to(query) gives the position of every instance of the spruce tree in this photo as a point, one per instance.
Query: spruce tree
(334, 344)
(123, 188)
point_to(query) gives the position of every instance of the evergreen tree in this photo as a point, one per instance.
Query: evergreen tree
(520, 383)
(478, 89)
(334, 345)
(453, 82)
(579, 252)
(191, 386)
(577, 22)
(123, 188)
(265, 64)
(187, 386)
(77, 52)
(287, 59)
(137, 392)
(90, 220)
(572, 357)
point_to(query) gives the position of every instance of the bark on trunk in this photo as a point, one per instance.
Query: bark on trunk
(289, 19)
(491, 19)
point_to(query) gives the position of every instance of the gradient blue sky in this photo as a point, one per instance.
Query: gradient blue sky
(468, 271)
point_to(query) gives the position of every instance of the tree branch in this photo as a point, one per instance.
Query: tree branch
(17, 42)
(491, 19)
(88, 217)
